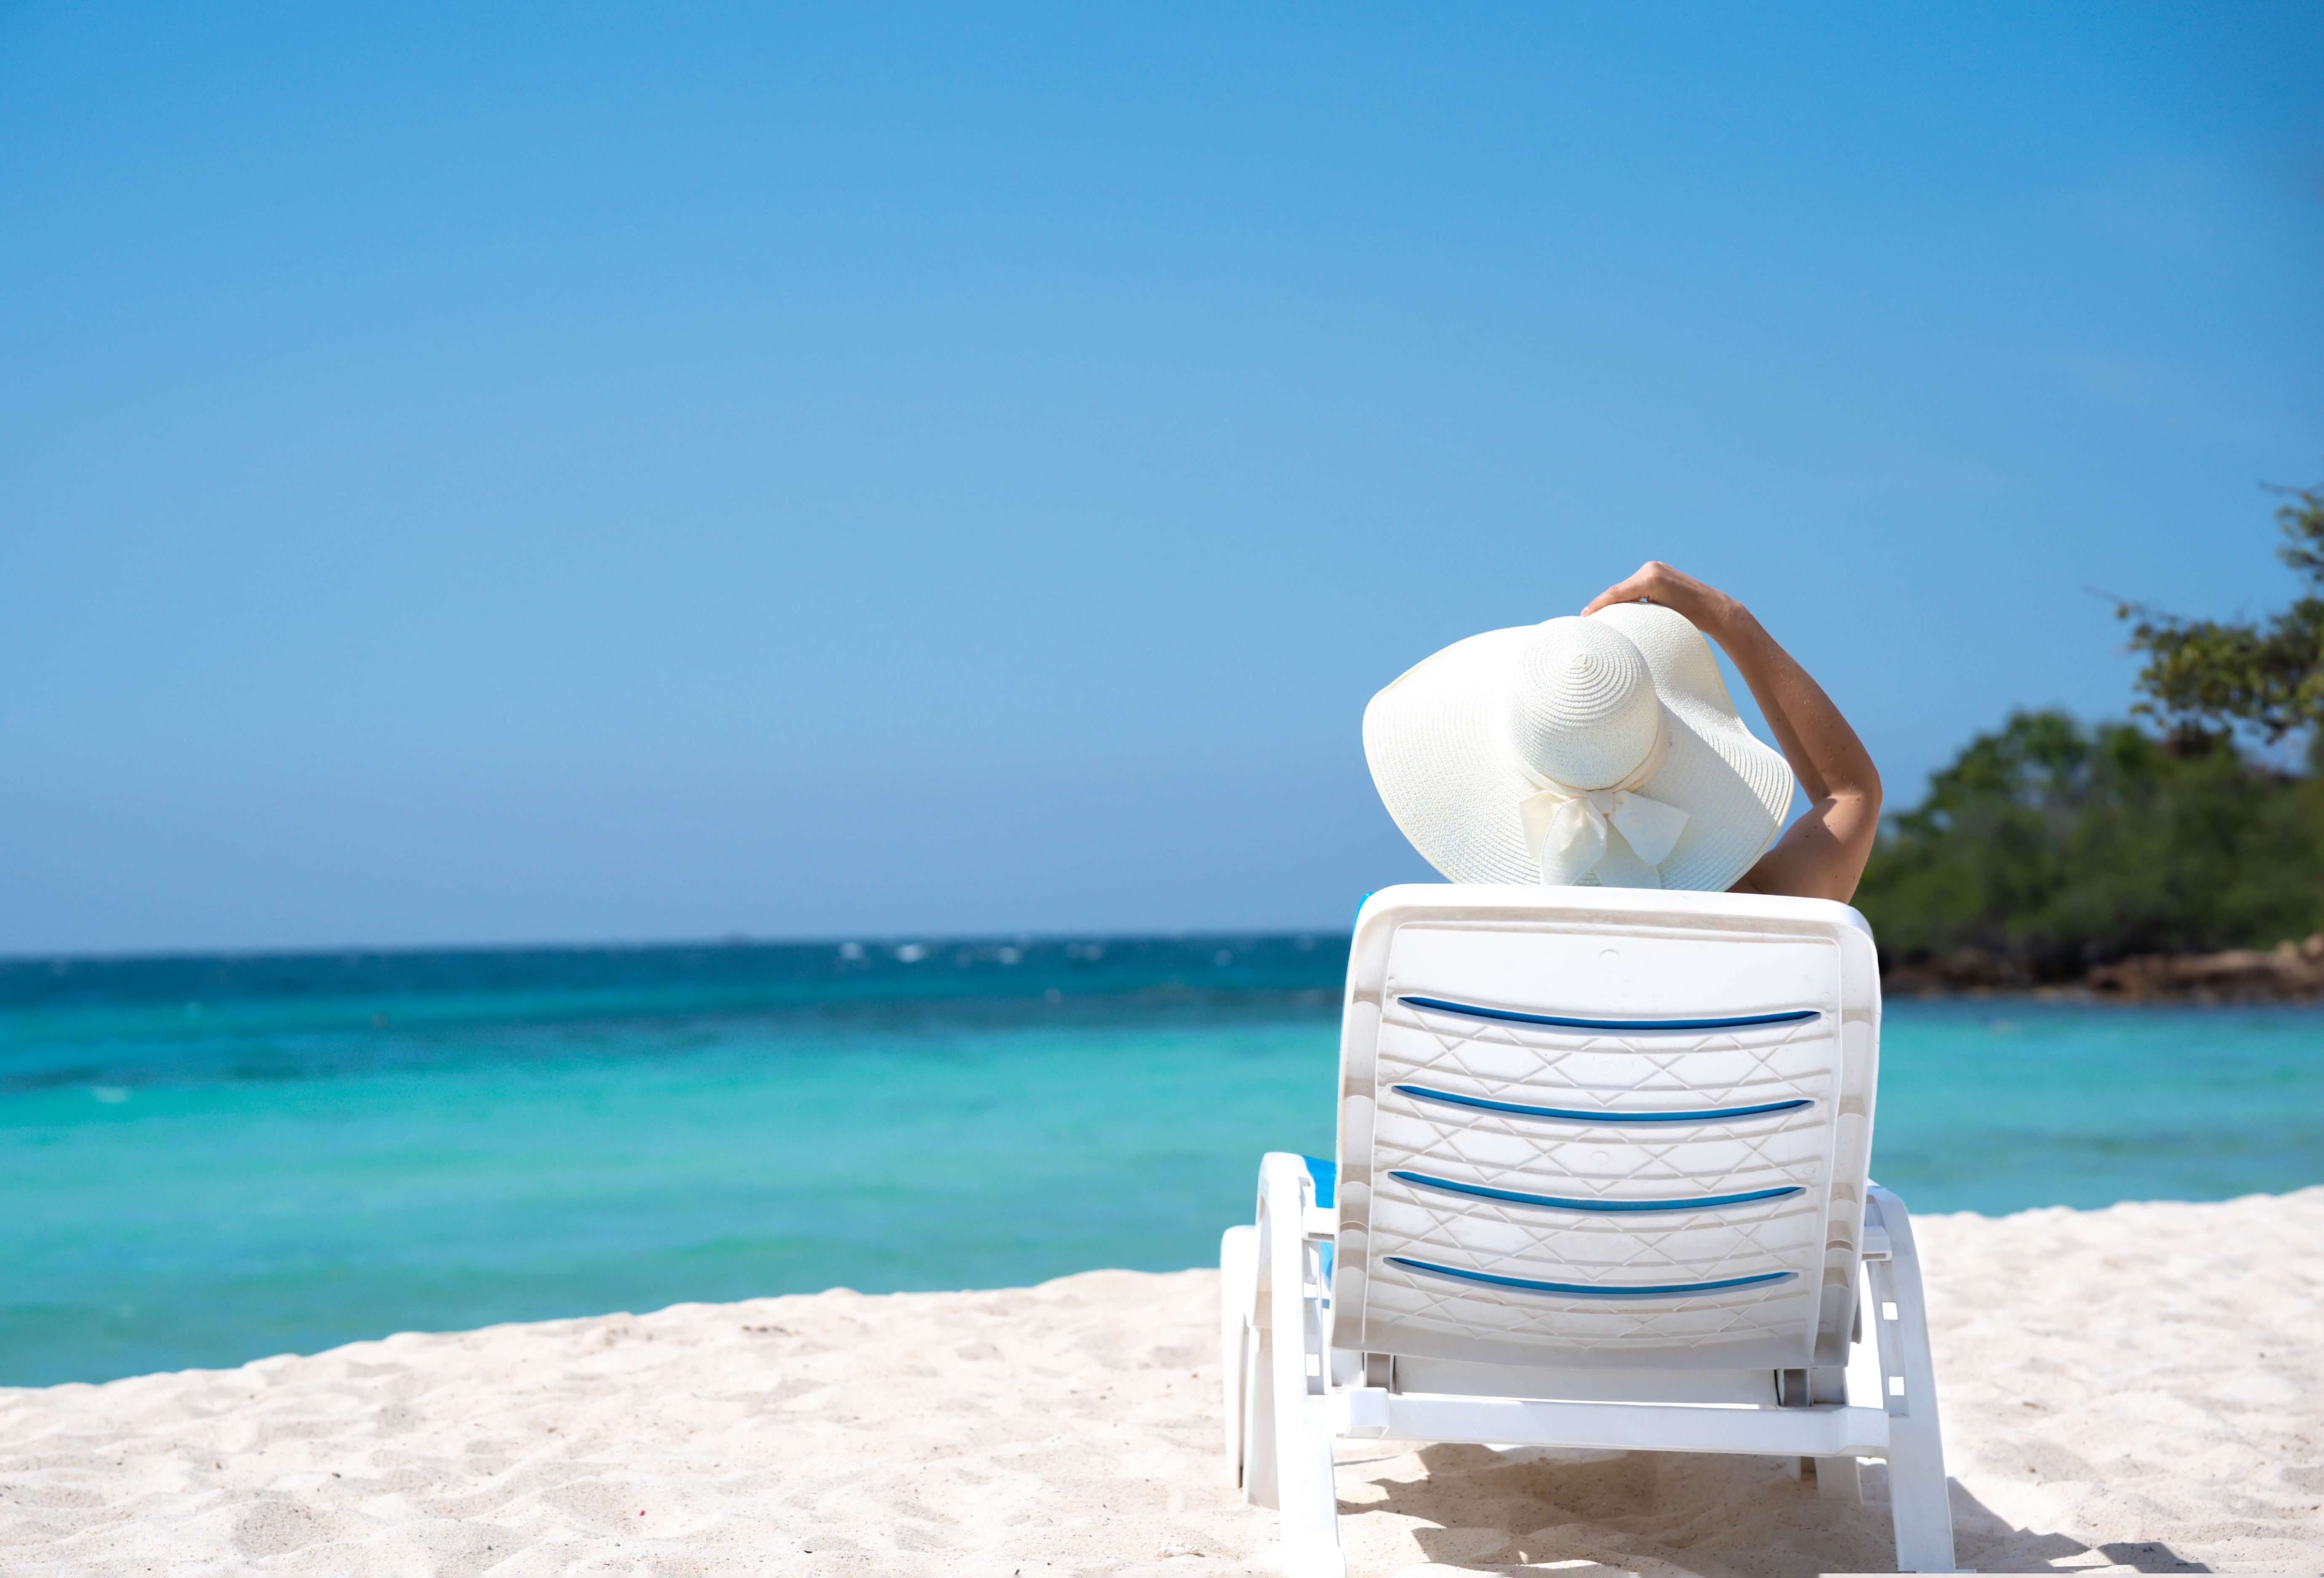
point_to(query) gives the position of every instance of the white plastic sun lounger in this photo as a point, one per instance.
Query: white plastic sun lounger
(1601, 1182)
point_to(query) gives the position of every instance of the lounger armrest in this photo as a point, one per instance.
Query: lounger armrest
(1286, 1197)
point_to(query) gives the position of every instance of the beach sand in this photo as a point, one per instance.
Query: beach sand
(2138, 1389)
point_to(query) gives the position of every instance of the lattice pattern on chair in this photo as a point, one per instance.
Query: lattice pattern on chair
(1410, 1310)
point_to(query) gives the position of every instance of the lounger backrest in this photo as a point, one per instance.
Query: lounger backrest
(1604, 1127)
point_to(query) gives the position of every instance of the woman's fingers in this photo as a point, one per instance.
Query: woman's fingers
(1656, 582)
(1641, 585)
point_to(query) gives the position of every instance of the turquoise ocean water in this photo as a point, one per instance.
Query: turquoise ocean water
(205, 1160)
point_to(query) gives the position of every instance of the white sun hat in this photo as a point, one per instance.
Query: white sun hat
(1601, 751)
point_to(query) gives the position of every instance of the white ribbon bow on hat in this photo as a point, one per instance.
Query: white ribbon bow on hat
(1570, 828)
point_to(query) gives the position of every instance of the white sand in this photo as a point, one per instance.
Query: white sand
(2130, 1389)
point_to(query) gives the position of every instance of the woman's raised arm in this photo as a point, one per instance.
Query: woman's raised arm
(1822, 854)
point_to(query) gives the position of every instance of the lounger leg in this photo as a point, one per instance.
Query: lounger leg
(1837, 1479)
(1259, 1454)
(1303, 1445)
(1918, 1499)
(1238, 1285)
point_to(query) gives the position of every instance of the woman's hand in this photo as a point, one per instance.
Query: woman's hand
(1707, 608)
(1821, 855)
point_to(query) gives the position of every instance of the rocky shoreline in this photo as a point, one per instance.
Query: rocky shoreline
(2291, 972)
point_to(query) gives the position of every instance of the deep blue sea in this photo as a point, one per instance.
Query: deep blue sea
(207, 1160)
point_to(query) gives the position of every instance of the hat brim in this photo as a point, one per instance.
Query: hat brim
(1437, 753)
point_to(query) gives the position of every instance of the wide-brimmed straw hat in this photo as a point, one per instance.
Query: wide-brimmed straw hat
(1579, 751)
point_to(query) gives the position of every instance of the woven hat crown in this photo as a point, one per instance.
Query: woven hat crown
(1582, 704)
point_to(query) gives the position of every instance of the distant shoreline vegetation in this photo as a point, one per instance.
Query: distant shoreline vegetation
(2050, 851)
(2146, 863)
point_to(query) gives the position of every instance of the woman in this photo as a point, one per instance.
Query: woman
(1821, 855)
(1605, 751)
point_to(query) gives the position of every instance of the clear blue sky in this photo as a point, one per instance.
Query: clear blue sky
(493, 473)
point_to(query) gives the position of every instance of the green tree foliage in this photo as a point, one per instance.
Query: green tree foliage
(2201, 673)
(2049, 846)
